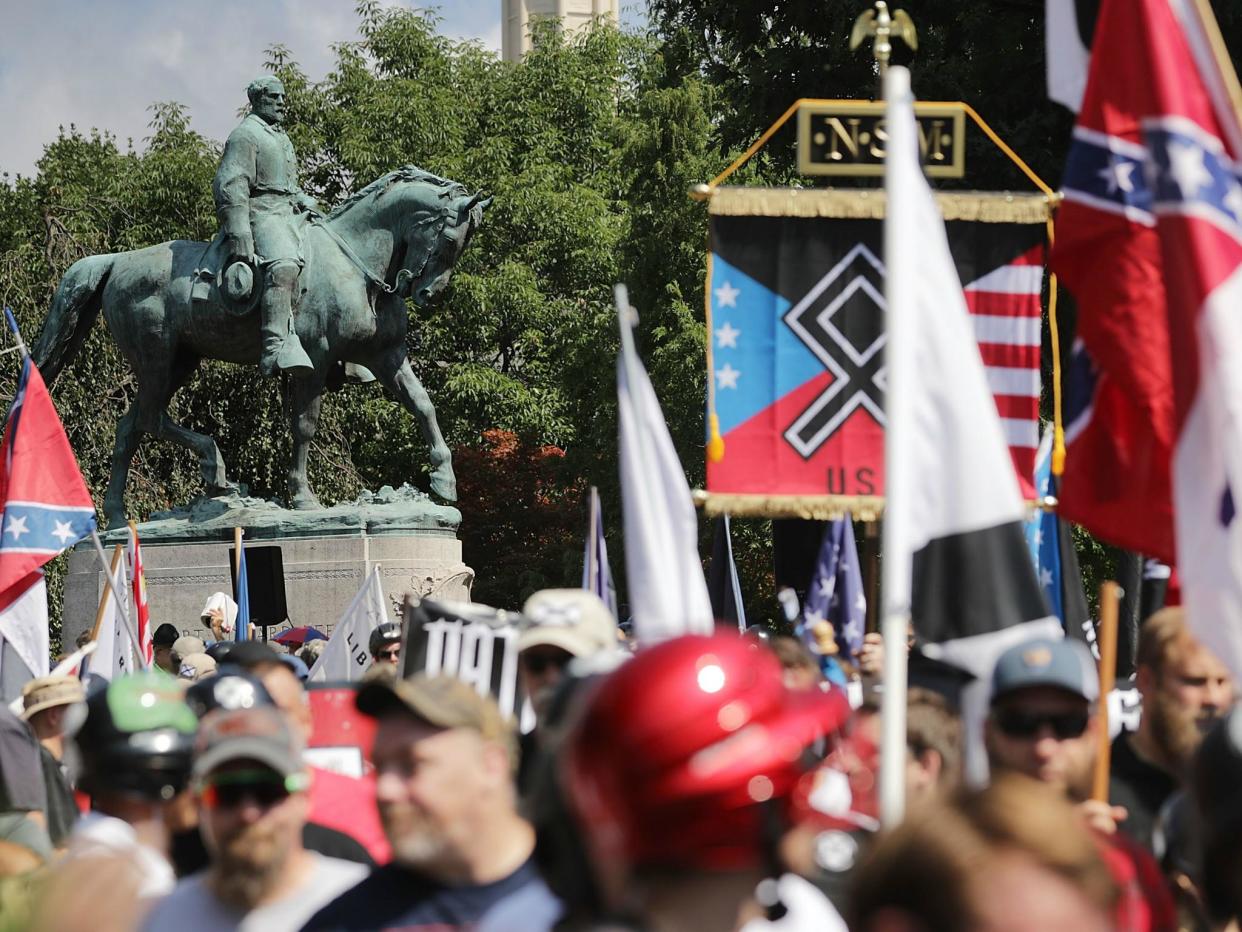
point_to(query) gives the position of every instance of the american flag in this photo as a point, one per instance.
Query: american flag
(142, 612)
(1005, 308)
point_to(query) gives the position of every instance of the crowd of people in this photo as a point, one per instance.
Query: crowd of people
(706, 782)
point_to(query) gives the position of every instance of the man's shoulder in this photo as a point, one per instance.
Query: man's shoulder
(188, 906)
(251, 129)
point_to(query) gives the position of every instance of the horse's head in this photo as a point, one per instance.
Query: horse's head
(442, 243)
(431, 219)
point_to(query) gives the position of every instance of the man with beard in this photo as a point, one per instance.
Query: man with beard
(1043, 724)
(251, 786)
(444, 764)
(1185, 690)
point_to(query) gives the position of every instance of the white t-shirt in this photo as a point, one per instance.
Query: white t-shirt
(192, 907)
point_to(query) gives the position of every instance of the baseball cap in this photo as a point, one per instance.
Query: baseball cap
(575, 620)
(1062, 664)
(261, 733)
(441, 701)
(188, 644)
(165, 635)
(47, 692)
(194, 667)
(249, 654)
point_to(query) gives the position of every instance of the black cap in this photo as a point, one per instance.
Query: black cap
(231, 688)
(942, 678)
(165, 635)
(250, 654)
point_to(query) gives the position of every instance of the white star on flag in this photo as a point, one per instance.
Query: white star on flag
(1045, 577)
(16, 527)
(813, 618)
(1187, 167)
(727, 336)
(860, 602)
(827, 586)
(64, 530)
(852, 630)
(726, 295)
(727, 377)
(1119, 176)
(1038, 537)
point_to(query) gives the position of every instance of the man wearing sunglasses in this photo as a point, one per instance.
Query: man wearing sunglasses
(385, 644)
(1043, 724)
(251, 785)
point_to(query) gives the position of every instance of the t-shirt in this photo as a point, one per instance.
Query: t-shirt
(192, 907)
(21, 774)
(62, 808)
(1139, 786)
(394, 898)
(99, 835)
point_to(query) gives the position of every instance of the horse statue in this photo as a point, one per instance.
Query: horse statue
(398, 237)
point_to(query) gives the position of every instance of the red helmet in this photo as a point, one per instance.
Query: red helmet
(676, 749)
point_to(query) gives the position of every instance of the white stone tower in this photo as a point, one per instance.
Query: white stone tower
(574, 14)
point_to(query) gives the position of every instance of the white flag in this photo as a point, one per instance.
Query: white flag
(23, 637)
(955, 558)
(347, 654)
(668, 594)
(1067, 55)
(115, 654)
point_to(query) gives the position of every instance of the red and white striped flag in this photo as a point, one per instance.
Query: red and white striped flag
(1004, 304)
(138, 579)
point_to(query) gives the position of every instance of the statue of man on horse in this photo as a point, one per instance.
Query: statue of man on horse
(259, 205)
(331, 290)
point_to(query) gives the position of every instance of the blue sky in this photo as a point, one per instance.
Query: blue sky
(102, 63)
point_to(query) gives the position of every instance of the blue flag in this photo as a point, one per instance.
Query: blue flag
(836, 592)
(242, 597)
(1042, 532)
(596, 574)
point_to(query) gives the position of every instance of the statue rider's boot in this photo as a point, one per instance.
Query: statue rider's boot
(282, 350)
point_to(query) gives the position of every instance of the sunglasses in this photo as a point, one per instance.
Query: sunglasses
(263, 787)
(391, 653)
(1018, 724)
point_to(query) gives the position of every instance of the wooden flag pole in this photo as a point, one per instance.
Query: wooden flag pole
(1110, 599)
(107, 593)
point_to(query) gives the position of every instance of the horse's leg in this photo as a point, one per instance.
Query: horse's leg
(123, 450)
(210, 462)
(396, 375)
(305, 402)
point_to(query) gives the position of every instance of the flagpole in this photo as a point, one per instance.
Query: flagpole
(103, 596)
(125, 619)
(1110, 596)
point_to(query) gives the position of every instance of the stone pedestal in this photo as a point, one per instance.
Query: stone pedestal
(326, 559)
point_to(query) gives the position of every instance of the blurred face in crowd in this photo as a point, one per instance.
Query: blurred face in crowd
(1045, 733)
(1182, 701)
(389, 653)
(434, 788)
(543, 667)
(164, 660)
(289, 695)
(251, 825)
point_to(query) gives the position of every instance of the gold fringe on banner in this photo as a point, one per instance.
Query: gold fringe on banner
(869, 204)
(811, 507)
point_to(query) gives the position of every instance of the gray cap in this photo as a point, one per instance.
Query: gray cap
(1061, 664)
(261, 733)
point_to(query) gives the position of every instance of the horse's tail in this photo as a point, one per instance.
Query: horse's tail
(74, 309)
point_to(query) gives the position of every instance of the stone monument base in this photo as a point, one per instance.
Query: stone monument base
(327, 555)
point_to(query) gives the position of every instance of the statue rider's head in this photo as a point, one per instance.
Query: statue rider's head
(267, 98)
